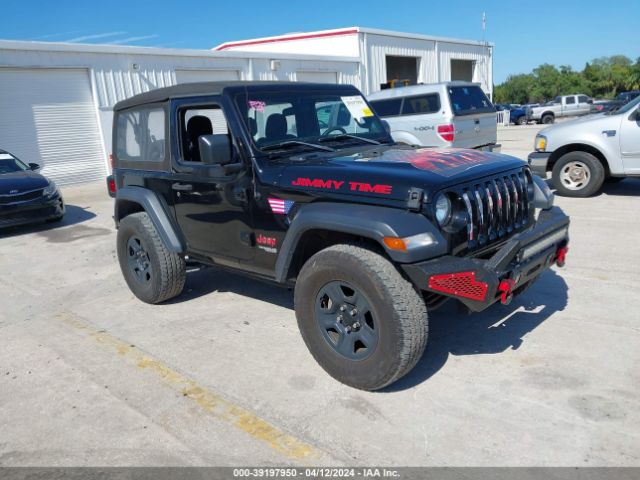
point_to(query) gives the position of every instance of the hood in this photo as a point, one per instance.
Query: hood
(563, 126)
(22, 182)
(390, 172)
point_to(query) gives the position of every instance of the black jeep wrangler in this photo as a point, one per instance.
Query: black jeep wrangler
(302, 185)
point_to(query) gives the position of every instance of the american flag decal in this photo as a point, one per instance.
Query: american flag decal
(280, 206)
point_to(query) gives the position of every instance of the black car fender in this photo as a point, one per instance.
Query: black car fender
(149, 202)
(368, 221)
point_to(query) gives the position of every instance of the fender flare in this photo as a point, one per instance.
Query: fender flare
(405, 137)
(152, 205)
(373, 222)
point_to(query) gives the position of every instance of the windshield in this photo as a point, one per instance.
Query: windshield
(10, 164)
(627, 107)
(298, 118)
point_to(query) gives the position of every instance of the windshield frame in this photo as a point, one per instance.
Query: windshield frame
(240, 95)
(21, 165)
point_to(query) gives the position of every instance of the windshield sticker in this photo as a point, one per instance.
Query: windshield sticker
(357, 107)
(257, 105)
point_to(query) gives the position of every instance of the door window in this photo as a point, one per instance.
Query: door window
(196, 122)
(387, 108)
(570, 100)
(421, 104)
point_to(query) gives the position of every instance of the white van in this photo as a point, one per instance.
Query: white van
(449, 114)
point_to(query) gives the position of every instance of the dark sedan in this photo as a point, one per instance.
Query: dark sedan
(25, 195)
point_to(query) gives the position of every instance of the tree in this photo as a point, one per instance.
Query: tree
(602, 77)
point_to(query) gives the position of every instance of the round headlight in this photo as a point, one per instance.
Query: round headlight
(443, 209)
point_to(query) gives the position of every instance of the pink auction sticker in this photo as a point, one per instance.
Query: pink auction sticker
(257, 105)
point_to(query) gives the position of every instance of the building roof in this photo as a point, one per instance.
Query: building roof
(136, 50)
(343, 31)
(216, 88)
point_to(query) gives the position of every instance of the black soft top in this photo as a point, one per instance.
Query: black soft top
(216, 88)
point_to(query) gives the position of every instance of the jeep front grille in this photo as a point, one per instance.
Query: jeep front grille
(495, 207)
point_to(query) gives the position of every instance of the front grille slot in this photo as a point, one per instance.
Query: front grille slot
(495, 207)
(20, 197)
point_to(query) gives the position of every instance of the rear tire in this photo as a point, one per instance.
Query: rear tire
(152, 272)
(578, 174)
(521, 121)
(547, 119)
(391, 314)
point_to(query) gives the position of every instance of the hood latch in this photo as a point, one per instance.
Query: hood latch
(415, 198)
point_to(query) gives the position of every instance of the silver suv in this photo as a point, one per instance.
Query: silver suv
(450, 114)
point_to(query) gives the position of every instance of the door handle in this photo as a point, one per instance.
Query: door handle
(182, 187)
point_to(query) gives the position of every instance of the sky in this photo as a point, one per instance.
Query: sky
(525, 33)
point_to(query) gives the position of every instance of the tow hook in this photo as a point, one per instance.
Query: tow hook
(506, 291)
(561, 255)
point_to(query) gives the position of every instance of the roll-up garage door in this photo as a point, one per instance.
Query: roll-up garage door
(189, 76)
(47, 116)
(317, 77)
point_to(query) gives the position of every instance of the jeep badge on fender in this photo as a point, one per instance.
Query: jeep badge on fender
(301, 184)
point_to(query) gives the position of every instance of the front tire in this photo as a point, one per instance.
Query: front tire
(521, 121)
(547, 119)
(152, 272)
(362, 321)
(578, 174)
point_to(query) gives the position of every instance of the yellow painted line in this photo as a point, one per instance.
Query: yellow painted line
(207, 400)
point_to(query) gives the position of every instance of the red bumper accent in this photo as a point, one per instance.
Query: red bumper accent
(461, 284)
(561, 255)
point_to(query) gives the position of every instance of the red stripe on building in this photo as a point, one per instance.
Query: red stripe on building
(286, 39)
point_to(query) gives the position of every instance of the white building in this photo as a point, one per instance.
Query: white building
(385, 56)
(56, 99)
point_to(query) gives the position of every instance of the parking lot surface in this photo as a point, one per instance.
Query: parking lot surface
(89, 375)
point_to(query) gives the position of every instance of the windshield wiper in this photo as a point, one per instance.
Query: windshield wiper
(288, 143)
(344, 136)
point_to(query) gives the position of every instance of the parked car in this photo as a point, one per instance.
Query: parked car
(583, 153)
(370, 234)
(562, 106)
(450, 114)
(601, 106)
(518, 116)
(25, 195)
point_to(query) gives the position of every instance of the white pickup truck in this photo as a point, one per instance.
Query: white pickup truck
(584, 153)
(449, 114)
(562, 106)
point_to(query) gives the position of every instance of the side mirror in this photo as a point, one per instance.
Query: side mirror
(387, 127)
(590, 101)
(34, 166)
(215, 149)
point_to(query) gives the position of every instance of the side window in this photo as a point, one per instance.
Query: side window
(421, 104)
(583, 99)
(196, 122)
(387, 108)
(570, 100)
(141, 135)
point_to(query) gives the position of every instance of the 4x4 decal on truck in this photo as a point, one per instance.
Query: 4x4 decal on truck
(339, 184)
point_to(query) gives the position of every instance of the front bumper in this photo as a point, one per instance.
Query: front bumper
(539, 161)
(34, 211)
(478, 283)
(491, 147)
